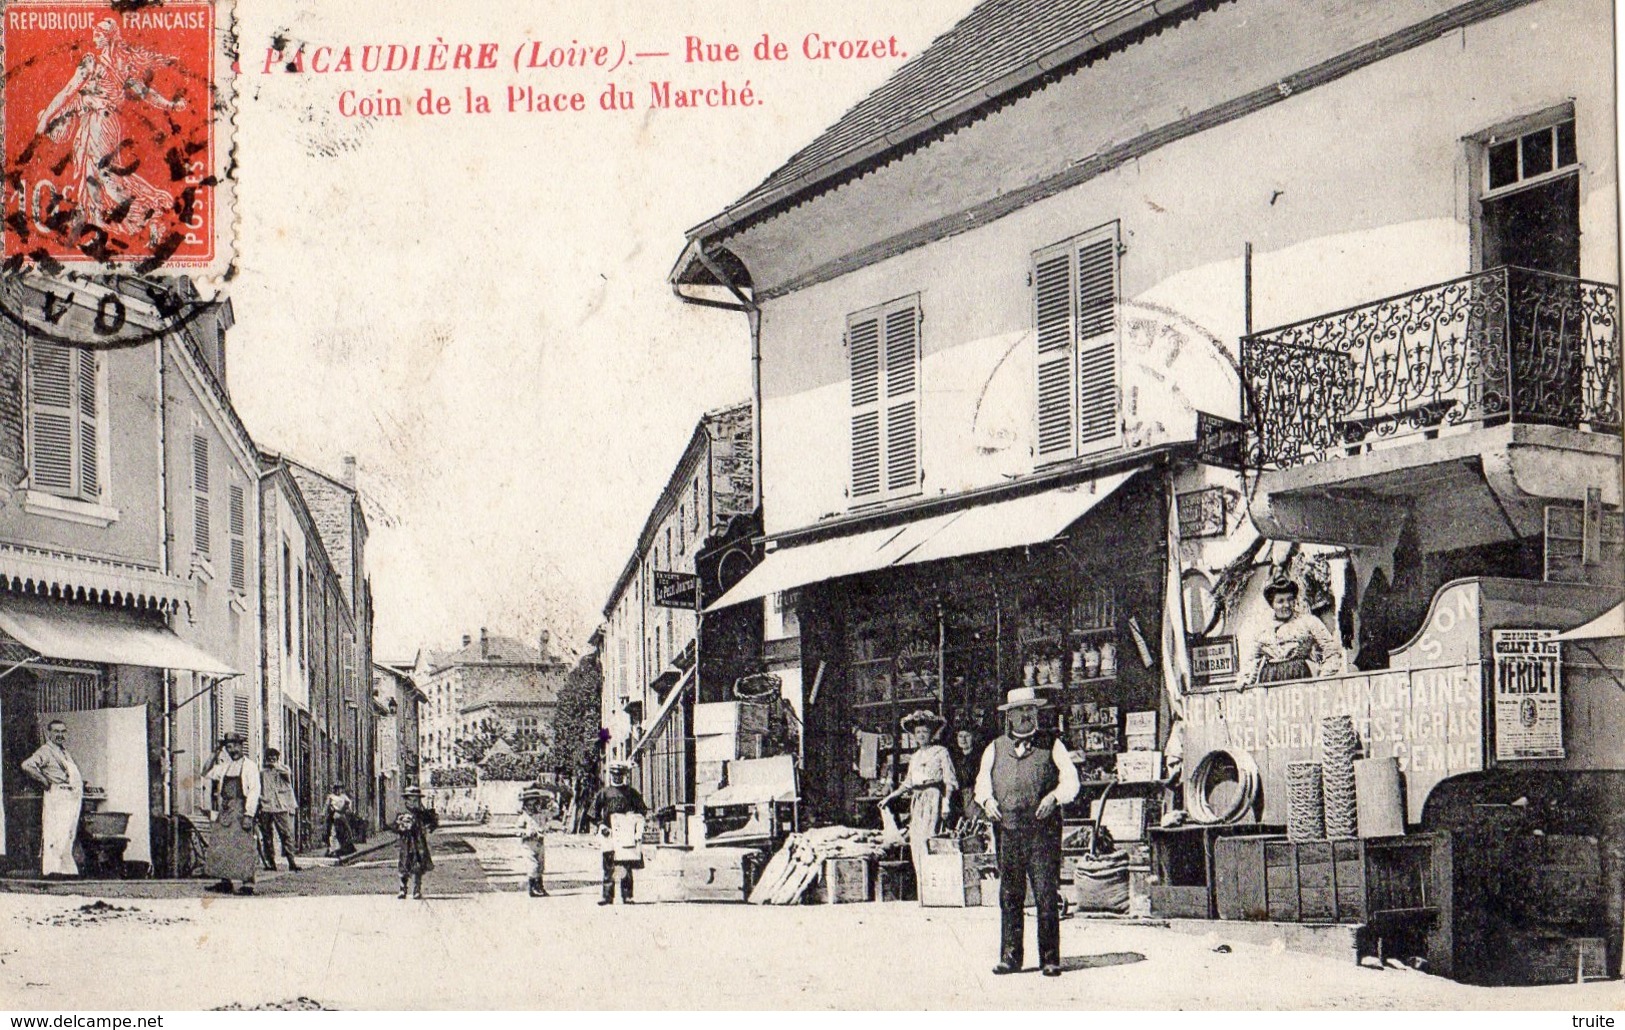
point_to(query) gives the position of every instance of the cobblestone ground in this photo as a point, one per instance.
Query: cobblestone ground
(338, 937)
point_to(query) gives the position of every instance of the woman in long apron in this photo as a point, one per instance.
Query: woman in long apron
(929, 784)
(235, 785)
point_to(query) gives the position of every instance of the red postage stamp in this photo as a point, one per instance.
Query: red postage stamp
(117, 120)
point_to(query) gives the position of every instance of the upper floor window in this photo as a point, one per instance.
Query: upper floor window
(1528, 194)
(200, 495)
(883, 356)
(65, 437)
(238, 527)
(1075, 295)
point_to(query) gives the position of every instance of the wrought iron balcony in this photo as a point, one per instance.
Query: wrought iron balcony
(1506, 345)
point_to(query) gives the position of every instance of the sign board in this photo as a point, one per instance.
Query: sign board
(677, 590)
(1213, 662)
(1432, 720)
(1528, 694)
(1201, 513)
(1139, 766)
(1220, 441)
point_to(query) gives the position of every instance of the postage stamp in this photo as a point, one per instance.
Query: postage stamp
(117, 136)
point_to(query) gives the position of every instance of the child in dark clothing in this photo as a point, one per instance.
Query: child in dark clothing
(413, 826)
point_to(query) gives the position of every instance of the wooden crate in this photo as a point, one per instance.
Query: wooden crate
(846, 880)
(1315, 881)
(1271, 878)
(1185, 869)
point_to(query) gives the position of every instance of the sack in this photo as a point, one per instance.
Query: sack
(1101, 882)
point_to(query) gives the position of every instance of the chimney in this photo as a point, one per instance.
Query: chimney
(541, 643)
(467, 640)
(349, 471)
(485, 644)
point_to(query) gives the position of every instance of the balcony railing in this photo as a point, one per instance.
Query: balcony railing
(1503, 345)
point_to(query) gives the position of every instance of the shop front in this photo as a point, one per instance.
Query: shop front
(1060, 589)
(103, 674)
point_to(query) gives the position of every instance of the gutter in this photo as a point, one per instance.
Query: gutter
(696, 251)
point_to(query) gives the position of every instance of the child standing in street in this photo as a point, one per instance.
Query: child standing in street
(413, 826)
(538, 810)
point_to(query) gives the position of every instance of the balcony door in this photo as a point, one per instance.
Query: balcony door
(1529, 210)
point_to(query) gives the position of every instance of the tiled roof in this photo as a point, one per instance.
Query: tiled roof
(999, 46)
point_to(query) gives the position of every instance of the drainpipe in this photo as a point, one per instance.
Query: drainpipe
(167, 770)
(754, 315)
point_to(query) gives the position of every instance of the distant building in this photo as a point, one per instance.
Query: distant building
(398, 700)
(648, 648)
(493, 668)
(341, 524)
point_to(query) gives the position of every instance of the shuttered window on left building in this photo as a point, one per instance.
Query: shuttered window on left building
(65, 438)
(200, 495)
(883, 359)
(237, 526)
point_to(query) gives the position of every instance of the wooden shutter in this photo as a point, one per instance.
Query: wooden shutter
(1052, 317)
(902, 353)
(200, 494)
(883, 355)
(238, 516)
(239, 713)
(863, 360)
(1098, 418)
(1075, 294)
(51, 418)
(90, 479)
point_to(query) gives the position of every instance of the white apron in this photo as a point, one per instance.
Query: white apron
(59, 823)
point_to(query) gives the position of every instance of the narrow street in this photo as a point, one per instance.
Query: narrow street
(338, 935)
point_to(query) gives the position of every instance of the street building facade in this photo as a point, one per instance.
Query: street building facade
(129, 587)
(469, 686)
(651, 619)
(399, 702)
(1018, 426)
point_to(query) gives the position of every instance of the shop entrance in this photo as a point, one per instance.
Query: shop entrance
(25, 695)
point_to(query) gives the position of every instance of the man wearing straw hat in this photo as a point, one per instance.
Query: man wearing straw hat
(1023, 782)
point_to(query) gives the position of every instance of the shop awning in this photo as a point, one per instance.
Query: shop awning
(1610, 623)
(659, 721)
(102, 635)
(1019, 522)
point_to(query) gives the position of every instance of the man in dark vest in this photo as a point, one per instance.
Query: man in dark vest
(1023, 782)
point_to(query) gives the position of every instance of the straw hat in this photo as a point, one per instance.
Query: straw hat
(1281, 584)
(922, 717)
(1023, 697)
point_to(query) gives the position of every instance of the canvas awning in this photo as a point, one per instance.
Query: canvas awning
(104, 636)
(1610, 623)
(659, 721)
(1018, 522)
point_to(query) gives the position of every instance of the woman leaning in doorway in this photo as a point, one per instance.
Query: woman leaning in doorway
(929, 784)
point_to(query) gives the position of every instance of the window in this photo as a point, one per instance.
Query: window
(200, 494)
(1075, 292)
(302, 630)
(682, 529)
(883, 356)
(287, 598)
(238, 525)
(239, 712)
(696, 507)
(1529, 194)
(64, 423)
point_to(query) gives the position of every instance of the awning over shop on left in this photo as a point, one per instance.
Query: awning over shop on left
(103, 636)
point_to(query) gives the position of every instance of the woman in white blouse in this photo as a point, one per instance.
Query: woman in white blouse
(929, 784)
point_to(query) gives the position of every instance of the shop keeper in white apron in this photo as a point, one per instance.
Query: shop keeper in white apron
(618, 810)
(58, 775)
